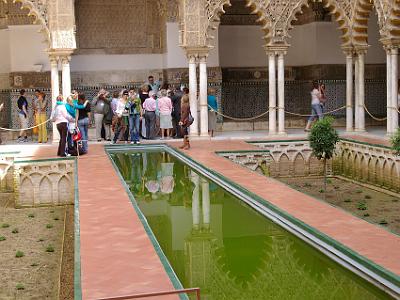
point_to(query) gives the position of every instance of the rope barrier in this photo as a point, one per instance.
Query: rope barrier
(324, 113)
(29, 128)
(239, 119)
(372, 116)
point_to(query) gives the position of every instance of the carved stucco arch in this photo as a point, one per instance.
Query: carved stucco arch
(37, 9)
(216, 8)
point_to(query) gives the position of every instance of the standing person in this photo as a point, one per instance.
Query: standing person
(212, 111)
(134, 107)
(316, 109)
(165, 107)
(114, 104)
(153, 85)
(61, 118)
(185, 122)
(22, 104)
(73, 107)
(150, 114)
(83, 121)
(176, 112)
(41, 116)
(100, 110)
(143, 95)
(119, 123)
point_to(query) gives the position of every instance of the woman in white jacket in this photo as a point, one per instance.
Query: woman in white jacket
(61, 118)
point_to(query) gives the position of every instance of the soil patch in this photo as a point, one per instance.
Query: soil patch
(371, 205)
(30, 251)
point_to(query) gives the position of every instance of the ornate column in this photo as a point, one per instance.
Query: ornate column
(203, 95)
(281, 93)
(194, 129)
(205, 193)
(388, 89)
(394, 119)
(356, 89)
(55, 90)
(272, 92)
(349, 90)
(66, 75)
(361, 91)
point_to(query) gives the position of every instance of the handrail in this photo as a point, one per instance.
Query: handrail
(146, 295)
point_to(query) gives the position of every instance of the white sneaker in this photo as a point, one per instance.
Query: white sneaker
(132, 143)
(112, 143)
(138, 143)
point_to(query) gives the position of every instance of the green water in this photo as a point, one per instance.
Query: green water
(216, 242)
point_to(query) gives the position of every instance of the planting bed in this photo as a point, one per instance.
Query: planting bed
(31, 242)
(373, 206)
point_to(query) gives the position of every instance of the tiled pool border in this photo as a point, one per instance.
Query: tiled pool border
(345, 256)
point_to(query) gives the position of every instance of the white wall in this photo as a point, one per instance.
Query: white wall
(27, 48)
(314, 43)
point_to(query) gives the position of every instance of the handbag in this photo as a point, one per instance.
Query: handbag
(77, 135)
(190, 119)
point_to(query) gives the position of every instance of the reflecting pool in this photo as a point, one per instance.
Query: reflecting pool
(216, 242)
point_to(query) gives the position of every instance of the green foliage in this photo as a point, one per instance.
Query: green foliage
(5, 225)
(347, 200)
(34, 265)
(31, 215)
(361, 206)
(2, 238)
(395, 141)
(366, 215)
(323, 138)
(40, 240)
(322, 191)
(19, 286)
(48, 226)
(19, 254)
(15, 230)
(359, 191)
(383, 222)
(56, 219)
(50, 248)
(367, 197)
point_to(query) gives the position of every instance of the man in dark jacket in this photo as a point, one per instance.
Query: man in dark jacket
(176, 112)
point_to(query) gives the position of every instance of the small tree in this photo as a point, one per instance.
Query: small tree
(323, 139)
(395, 141)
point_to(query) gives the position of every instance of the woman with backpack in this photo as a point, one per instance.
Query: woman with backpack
(61, 118)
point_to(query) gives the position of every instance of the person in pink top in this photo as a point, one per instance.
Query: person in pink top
(150, 106)
(165, 108)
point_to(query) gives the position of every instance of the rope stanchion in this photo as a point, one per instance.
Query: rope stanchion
(373, 117)
(29, 128)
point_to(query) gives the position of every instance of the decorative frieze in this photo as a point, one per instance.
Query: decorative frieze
(41, 183)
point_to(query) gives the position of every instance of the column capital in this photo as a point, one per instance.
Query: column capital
(348, 50)
(65, 59)
(277, 50)
(197, 53)
(361, 50)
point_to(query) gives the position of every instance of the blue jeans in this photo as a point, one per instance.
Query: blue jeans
(83, 125)
(134, 123)
(316, 110)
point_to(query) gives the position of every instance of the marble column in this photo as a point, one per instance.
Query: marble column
(349, 91)
(356, 89)
(281, 94)
(66, 76)
(205, 193)
(272, 93)
(203, 96)
(361, 91)
(55, 91)
(389, 90)
(194, 129)
(394, 119)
